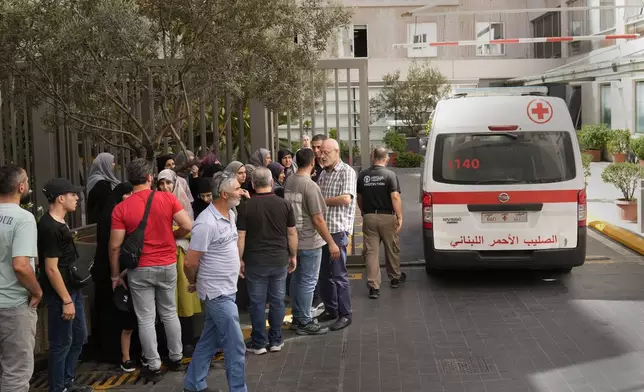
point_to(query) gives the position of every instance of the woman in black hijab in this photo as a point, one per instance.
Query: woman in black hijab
(110, 324)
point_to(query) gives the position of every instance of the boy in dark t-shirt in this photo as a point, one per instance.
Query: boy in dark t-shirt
(66, 315)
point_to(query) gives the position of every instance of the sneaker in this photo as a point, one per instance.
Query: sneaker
(79, 388)
(128, 366)
(294, 325)
(311, 328)
(251, 348)
(374, 293)
(154, 376)
(144, 362)
(325, 317)
(396, 282)
(175, 366)
(276, 347)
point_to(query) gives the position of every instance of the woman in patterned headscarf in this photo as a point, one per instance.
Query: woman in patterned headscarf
(188, 304)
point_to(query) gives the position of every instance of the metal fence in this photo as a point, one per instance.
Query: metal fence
(48, 150)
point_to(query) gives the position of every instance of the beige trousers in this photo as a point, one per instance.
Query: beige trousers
(378, 228)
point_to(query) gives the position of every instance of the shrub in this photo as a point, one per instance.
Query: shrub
(409, 159)
(397, 142)
(428, 127)
(624, 176)
(638, 147)
(620, 141)
(593, 136)
(585, 162)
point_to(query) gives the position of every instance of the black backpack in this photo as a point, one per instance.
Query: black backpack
(132, 246)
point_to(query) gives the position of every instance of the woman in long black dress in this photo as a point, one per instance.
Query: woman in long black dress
(111, 327)
(100, 182)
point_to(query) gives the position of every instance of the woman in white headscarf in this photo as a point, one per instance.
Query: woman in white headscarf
(188, 304)
(100, 182)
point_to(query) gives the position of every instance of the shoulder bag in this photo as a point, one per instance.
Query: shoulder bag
(79, 273)
(132, 246)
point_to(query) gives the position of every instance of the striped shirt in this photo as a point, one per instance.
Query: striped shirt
(341, 180)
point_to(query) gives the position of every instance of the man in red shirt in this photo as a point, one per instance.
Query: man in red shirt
(153, 283)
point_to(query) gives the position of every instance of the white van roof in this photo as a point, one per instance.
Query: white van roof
(532, 113)
(499, 91)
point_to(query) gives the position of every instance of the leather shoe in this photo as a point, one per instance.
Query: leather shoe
(342, 323)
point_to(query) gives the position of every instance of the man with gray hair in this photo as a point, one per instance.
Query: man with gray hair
(212, 267)
(268, 247)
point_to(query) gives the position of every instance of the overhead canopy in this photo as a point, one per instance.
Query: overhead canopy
(601, 71)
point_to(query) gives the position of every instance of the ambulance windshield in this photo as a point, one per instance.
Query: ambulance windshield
(504, 158)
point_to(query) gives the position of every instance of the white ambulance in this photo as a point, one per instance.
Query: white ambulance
(503, 183)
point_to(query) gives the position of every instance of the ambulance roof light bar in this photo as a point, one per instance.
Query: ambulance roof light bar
(499, 91)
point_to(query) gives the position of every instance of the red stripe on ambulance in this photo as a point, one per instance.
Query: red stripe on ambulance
(516, 197)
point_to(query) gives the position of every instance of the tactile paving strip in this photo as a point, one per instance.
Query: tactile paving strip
(107, 379)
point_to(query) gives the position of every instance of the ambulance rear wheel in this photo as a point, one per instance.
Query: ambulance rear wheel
(562, 271)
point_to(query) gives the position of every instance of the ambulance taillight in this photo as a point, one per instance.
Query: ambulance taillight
(428, 216)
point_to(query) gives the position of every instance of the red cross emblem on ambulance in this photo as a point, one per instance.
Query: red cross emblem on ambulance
(539, 111)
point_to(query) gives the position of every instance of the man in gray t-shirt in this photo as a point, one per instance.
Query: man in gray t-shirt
(20, 292)
(309, 207)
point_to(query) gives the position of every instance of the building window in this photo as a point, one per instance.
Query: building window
(421, 33)
(605, 104)
(639, 107)
(486, 31)
(607, 17)
(547, 25)
(360, 41)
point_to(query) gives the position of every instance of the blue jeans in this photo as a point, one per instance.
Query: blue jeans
(266, 283)
(303, 282)
(66, 339)
(334, 276)
(221, 330)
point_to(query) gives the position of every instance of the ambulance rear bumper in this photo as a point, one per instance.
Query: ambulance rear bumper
(522, 259)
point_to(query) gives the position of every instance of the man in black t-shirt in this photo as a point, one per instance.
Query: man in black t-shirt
(379, 200)
(268, 247)
(66, 315)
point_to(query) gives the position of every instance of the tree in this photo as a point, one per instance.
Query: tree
(130, 72)
(411, 100)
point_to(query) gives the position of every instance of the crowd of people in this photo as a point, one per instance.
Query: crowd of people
(274, 231)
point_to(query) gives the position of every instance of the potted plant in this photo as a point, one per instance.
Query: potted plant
(593, 139)
(637, 145)
(396, 142)
(625, 176)
(619, 144)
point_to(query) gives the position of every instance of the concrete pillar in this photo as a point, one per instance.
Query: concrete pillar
(258, 126)
(594, 21)
(565, 30)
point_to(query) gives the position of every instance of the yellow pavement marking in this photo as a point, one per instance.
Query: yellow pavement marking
(355, 276)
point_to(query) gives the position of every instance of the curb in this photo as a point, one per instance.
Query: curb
(621, 235)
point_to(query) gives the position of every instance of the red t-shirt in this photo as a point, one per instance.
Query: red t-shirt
(159, 246)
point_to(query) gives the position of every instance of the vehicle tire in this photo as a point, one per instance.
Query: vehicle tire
(562, 271)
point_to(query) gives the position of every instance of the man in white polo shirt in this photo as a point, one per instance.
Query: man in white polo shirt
(212, 267)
